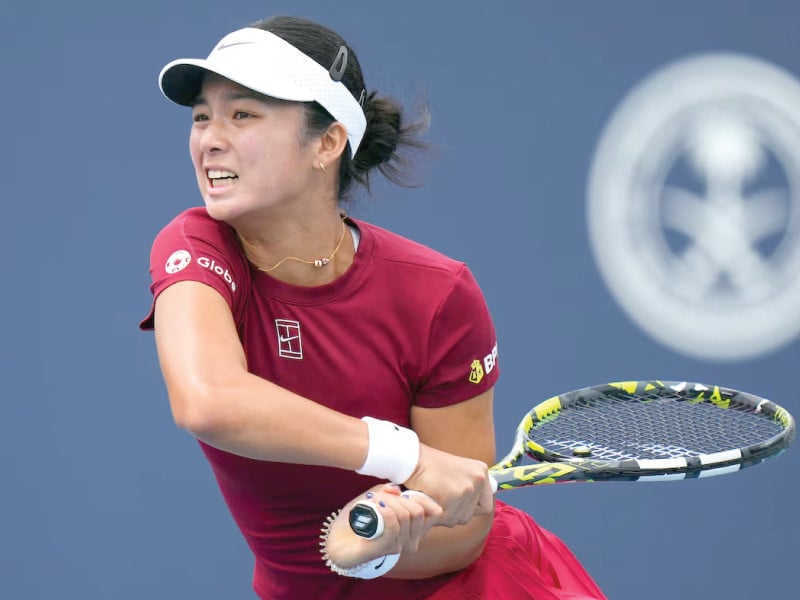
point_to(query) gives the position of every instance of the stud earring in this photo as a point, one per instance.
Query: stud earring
(322, 166)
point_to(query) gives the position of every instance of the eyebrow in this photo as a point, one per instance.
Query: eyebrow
(243, 95)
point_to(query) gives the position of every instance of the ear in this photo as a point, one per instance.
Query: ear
(332, 144)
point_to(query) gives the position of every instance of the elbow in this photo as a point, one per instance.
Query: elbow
(194, 421)
(196, 412)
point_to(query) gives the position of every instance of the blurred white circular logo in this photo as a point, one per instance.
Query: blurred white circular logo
(177, 261)
(693, 206)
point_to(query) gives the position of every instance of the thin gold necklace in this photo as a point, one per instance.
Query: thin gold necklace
(317, 262)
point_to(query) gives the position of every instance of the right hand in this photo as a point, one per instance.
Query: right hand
(459, 485)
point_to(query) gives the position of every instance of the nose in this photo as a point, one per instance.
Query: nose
(213, 137)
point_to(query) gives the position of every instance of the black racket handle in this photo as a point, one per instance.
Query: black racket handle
(367, 521)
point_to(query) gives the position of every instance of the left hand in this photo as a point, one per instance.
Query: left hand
(407, 518)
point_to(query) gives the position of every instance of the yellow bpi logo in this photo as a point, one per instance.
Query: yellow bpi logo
(479, 369)
(476, 372)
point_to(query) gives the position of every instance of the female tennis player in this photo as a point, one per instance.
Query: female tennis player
(322, 361)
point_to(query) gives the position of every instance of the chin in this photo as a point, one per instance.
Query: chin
(223, 211)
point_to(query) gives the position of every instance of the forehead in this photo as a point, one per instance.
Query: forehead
(218, 86)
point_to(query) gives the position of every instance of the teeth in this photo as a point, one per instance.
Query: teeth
(217, 174)
(224, 182)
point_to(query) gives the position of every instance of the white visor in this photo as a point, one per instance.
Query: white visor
(267, 64)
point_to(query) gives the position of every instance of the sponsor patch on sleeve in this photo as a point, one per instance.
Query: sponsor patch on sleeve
(479, 368)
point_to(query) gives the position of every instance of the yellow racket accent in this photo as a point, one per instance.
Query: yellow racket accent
(548, 407)
(538, 474)
(626, 386)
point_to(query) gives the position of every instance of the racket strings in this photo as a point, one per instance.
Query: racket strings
(656, 426)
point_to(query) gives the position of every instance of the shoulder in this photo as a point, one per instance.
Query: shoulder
(194, 233)
(416, 275)
(192, 245)
(408, 254)
(195, 222)
(195, 247)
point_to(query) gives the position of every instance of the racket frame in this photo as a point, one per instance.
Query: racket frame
(555, 467)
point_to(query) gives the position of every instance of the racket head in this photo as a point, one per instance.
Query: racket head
(644, 430)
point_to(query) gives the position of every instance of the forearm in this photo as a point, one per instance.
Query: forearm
(466, 429)
(252, 417)
(444, 550)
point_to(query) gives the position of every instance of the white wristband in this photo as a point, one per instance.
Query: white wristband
(393, 451)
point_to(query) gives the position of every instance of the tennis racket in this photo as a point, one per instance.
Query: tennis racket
(633, 431)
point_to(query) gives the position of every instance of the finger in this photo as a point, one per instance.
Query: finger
(417, 526)
(465, 508)
(394, 527)
(486, 501)
(401, 513)
(460, 509)
(390, 488)
(468, 507)
(411, 510)
(433, 509)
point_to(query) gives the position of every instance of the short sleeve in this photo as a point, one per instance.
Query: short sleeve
(194, 247)
(462, 347)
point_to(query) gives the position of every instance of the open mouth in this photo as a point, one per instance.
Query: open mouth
(220, 178)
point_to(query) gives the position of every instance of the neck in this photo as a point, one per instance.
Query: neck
(307, 252)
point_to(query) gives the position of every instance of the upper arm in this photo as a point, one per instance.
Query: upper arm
(461, 347)
(465, 428)
(198, 347)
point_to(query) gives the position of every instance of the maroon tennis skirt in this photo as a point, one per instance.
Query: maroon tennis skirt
(522, 561)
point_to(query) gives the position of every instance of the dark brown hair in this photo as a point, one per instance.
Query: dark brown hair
(388, 134)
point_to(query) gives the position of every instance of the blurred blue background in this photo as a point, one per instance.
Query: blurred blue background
(103, 497)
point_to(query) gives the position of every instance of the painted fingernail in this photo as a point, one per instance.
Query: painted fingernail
(369, 495)
(406, 496)
(382, 503)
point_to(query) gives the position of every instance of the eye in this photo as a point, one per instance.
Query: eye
(240, 114)
(197, 117)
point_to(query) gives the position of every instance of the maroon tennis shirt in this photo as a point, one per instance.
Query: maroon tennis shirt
(403, 326)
